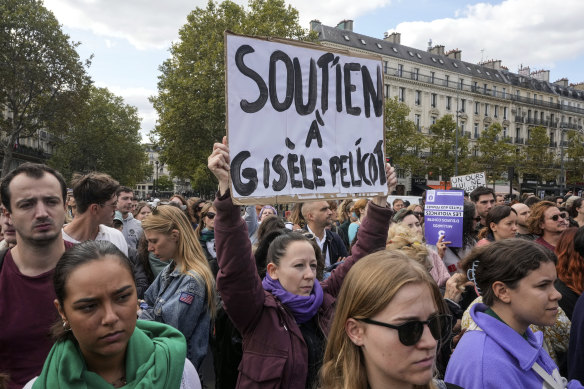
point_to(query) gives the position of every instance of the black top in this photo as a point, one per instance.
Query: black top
(569, 297)
(315, 342)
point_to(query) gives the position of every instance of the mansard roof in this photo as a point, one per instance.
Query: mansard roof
(395, 50)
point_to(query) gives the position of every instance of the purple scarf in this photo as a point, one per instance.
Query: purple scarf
(303, 307)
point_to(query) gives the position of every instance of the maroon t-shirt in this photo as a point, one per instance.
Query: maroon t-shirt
(27, 313)
(545, 244)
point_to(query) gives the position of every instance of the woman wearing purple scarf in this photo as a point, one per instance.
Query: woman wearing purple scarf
(284, 319)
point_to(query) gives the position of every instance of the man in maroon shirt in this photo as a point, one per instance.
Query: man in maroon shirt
(547, 221)
(34, 198)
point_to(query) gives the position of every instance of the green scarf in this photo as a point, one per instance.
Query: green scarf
(155, 358)
(156, 264)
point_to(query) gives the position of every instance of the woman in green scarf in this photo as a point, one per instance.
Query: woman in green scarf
(99, 343)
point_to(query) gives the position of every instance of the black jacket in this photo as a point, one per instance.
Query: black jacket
(333, 245)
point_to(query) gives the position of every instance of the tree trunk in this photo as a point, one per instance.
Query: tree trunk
(8, 152)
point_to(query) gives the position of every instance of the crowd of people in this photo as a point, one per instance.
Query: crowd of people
(98, 290)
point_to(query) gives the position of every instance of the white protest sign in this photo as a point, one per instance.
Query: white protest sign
(303, 122)
(469, 182)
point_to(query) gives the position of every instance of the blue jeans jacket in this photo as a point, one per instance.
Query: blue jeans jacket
(180, 300)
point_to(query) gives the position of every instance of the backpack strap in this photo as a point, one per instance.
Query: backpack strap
(551, 382)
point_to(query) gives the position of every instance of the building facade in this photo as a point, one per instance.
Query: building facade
(434, 83)
(147, 189)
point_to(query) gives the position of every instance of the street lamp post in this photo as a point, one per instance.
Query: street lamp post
(156, 182)
(456, 141)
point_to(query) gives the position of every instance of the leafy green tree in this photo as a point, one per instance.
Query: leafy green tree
(442, 145)
(573, 157)
(105, 138)
(403, 142)
(538, 160)
(42, 80)
(191, 88)
(164, 184)
(496, 154)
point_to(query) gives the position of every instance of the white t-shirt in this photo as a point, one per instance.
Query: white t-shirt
(105, 233)
(327, 257)
(190, 378)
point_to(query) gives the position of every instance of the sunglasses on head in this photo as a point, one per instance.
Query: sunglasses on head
(562, 215)
(411, 332)
(419, 214)
(210, 215)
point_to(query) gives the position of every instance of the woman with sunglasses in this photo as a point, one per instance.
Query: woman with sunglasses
(183, 294)
(516, 280)
(99, 343)
(284, 319)
(206, 233)
(406, 218)
(387, 329)
(501, 224)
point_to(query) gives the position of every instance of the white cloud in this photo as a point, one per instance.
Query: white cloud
(146, 24)
(154, 24)
(528, 32)
(331, 12)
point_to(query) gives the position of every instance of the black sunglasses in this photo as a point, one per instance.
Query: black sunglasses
(419, 214)
(562, 215)
(411, 332)
(210, 215)
(477, 219)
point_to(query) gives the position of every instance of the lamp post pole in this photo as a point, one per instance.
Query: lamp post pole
(456, 140)
(562, 172)
(156, 182)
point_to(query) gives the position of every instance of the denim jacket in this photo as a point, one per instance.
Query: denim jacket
(180, 300)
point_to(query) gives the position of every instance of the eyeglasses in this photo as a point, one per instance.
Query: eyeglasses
(210, 215)
(115, 205)
(477, 219)
(418, 214)
(562, 215)
(411, 332)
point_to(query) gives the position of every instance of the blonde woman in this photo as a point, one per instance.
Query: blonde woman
(183, 294)
(389, 322)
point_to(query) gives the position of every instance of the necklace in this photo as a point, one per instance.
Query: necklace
(119, 382)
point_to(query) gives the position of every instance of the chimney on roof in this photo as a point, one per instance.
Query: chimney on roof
(314, 24)
(562, 82)
(541, 75)
(394, 37)
(524, 71)
(346, 24)
(438, 50)
(579, 86)
(492, 64)
(454, 54)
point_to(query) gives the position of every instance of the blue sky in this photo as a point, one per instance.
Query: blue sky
(130, 38)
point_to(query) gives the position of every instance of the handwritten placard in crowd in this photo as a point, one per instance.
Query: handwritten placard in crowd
(469, 182)
(303, 122)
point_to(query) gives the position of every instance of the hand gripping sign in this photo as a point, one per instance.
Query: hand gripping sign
(303, 122)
